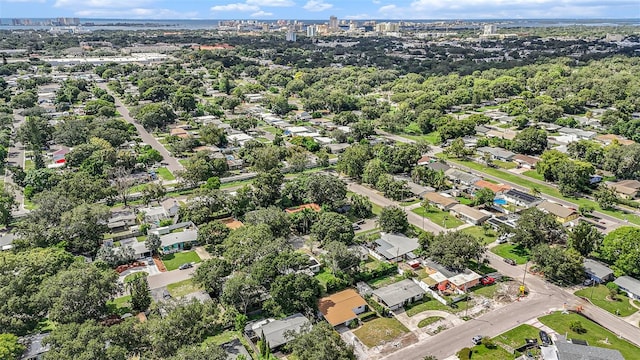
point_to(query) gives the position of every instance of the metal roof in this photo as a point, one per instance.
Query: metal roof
(399, 292)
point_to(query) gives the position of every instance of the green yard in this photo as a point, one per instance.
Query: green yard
(488, 291)
(599, 296)
(504, 164)
(120, 305)
(464, 201)
(512, 251)
(596, 335)
(426, 304)
(438, 217)
(432, 138)
(173, 261)
(513, 338)
(544, 189)
(28, 165)
(410, 202)
(380, 331)
(487, 237)
(222, 338)
(165, 174)
(182, 288)
(324, 276)
(533, 174)
(428, 321)
(385, 280)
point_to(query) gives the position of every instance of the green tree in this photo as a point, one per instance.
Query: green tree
(339, 257)
(7, 205)
(153, 243)
(140, 293)
(295, 292)
(361, 206)
(550, 162)
(79, 293)
(352, 161)
(199, 352)
(530, 141)
(606, 197)
(242, 291)
(321, 342)
(156, 115)
(10, 348)
(373, 170)
(325, 189)
(483, 196)
(584, 238)
(393, 219)
(455, 249)
(266, 187)
(276, 219)
(536, 227)
(558, 265)
(620, 248)
(153, 192)
(211, 274)
(213, 233)
(333, 227)
(457, 149)
(212, 134)
(84, 227)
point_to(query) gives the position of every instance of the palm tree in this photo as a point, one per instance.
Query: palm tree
(534, 191)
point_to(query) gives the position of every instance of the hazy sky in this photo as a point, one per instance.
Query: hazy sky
(321, 9)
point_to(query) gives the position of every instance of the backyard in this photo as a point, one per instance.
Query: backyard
(438, 217)
(165, 174)
(379, 331)
(486, 236)
(173, 261)
(599, 296)
(512, 251)
(595, 334)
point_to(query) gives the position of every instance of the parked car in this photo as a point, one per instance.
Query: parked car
(546, 340)
(476, 339)
(360, 222)
(185, 266)
(587, 282)
(510, 261)
(165, 294)
(356, 227)
(487, 280)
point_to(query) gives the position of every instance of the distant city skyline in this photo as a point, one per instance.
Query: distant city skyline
(322, 9)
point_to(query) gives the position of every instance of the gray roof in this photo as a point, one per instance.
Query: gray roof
(394, 245)
(462, 176)
(522, 196)
(596, 268)
(496, 152)
(234, 348)
(274, 331)
(569, 351)
(6, 239)
(399, 292)
(437, 166)
(440, 268)
(629, 284)
(179, 237)
(34, 346)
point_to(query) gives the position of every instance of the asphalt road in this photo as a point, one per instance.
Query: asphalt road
(173, 164)
(18, 160)
(543, 297)
(163, 279)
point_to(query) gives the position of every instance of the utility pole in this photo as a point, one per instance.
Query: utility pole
(524, 277)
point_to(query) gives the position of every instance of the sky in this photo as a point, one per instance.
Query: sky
(321, 9)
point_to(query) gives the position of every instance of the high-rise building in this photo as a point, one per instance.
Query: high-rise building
(333, 23)
(291, 35)
(490, 29)
(312, 31)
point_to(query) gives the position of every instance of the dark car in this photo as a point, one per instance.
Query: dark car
(185, 266)
(546, 340)
(587, 282)
(510, 261)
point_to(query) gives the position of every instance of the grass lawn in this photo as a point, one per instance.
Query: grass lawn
(182, 288)
(165, 174)
(129, 278)
(515, 337)
(141, 238)
(323, 277)
(441, 218)
(263, 140)
(270, 129)
(504, 164)
(45, 326)
(432, 138)
(486, 291)
(120, 305)
(486, 237)
(599, 297)
(29, 205)
(464, 201)
(28, 165)
(428, 321)
(137, 188)
(544, 189)
(235, 183)
(376, 209)
(372, 263)
(533, 174)
(183, 161)
(173, 261)
(424, 305)
(411, 202)
(595, 335)
(483, 353)
(483, 269)
(380, 331)
(512, 251)
(223, 337)
(385, 280)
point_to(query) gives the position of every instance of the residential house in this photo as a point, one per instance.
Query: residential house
(496, 188)
(154, 214)
(302, 115)
(139, 248)
(399, 294)
(608, 139)
(425, 160)
(171, 207)
(482, 130)
(563, 214)
(121, 221)
(629, 285)
(337, 148)
(35, 349)
(360, 251)
(276, 331)
(312, 206)
(438, 166)
(597, 271)
(445, 279)
(469, 214)
(524, 161)
(496, 153)
(239, 139)
(58, 157)
(342, 308)
(178, 241)
(295, 130)
(442, 202)
(628, 189)
(521, 198)
(580, 134)
(564, 350)
(415, 189)
(313, 265)
(394, 247)
(506, 134)
(461, 177)
(179, 132)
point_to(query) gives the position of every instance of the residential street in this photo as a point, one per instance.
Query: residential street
(170, 277)
(543, 298)
(16, 157)
(147, 138)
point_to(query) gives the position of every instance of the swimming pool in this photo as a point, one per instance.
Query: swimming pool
(500, 201)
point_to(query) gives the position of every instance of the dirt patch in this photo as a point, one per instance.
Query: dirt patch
(400, 343)
(159, 264)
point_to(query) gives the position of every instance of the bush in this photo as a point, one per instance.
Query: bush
(576, 326)
(488, 343)
(464, 354)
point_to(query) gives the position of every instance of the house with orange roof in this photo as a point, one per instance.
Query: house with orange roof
(313, 206)
(343, 307)
(496, 188)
